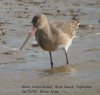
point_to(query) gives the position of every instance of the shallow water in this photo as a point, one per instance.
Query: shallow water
(31, 67)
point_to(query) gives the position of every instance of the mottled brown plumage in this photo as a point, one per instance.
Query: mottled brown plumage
(68, 27)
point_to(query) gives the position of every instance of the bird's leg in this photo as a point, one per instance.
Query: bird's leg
(66, 57)
(51, 59)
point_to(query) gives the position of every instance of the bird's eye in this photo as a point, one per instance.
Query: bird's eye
(39, 21)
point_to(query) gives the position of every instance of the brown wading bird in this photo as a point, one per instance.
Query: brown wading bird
(52, 36)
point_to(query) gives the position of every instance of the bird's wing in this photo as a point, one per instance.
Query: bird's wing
(68, 27)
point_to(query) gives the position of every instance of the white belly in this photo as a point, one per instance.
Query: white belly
(65, 46)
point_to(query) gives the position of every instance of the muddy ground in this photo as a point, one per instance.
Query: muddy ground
(26, 72)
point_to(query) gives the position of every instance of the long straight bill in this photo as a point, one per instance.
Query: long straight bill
(29, 35)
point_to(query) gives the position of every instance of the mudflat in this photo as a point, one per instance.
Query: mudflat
(28, 71)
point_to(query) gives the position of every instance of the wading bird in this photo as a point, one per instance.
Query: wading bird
(52, 36)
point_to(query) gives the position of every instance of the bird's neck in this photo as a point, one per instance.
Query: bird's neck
(47, 31)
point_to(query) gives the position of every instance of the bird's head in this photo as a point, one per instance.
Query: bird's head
(38, 22)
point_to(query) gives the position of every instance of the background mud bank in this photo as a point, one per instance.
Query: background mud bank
(31, 65)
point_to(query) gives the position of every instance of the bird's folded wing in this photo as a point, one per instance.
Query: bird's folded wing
(68, 27)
